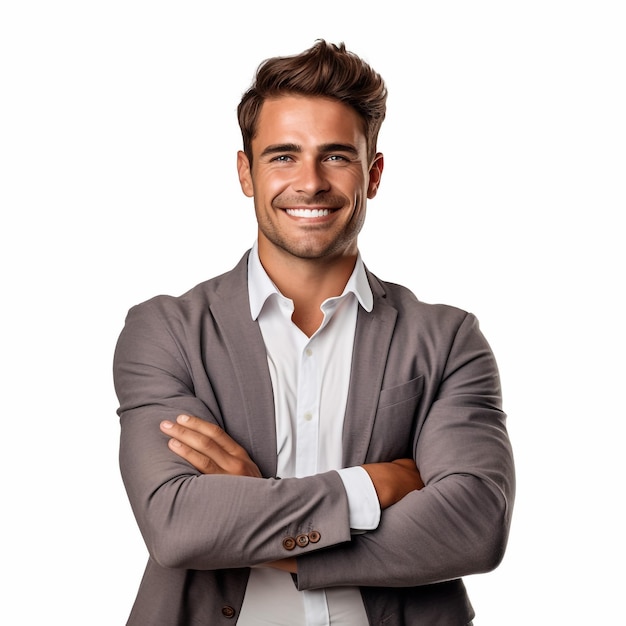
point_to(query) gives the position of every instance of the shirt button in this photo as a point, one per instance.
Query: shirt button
(228, 611)
(289, 543)
(308, 352)
(308, 416)
(302, 540)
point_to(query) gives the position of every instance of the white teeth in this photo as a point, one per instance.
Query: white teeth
(308, 212)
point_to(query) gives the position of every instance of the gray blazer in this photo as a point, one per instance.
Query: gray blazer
(424, 383)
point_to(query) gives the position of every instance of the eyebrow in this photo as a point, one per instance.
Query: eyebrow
(324, 148)
(281, 147)
(339, 147)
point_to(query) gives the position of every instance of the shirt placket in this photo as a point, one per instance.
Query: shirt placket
(307, 438)
(307, 411)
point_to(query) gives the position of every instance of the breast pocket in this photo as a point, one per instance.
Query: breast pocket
(395, 421)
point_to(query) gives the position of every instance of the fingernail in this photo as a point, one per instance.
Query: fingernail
(166, 424)
(182, 418)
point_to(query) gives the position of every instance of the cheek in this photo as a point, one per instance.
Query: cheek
(358, 182)
(269, 187)
(358, 191)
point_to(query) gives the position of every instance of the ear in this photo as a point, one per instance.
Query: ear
(376, 172)
(245, 175)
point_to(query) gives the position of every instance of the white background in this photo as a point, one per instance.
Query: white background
(503, 194)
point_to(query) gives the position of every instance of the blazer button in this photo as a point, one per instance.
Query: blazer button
(302, 540)
(314, 536)
(228, 611)
(289, 543)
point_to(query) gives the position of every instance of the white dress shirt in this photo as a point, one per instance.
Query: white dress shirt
(310, 378)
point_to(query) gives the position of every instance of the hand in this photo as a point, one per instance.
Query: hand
(208, 448)
(394, 480)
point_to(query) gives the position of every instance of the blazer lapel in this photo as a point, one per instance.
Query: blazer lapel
(245, 346)
(369, 358)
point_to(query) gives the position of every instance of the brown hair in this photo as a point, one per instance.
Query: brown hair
(324, 70)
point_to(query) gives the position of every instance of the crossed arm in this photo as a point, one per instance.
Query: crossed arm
(211, 450)
(200, 508)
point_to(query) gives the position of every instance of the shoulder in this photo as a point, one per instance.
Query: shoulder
(410, 309)
(436, 326)
(440, 334)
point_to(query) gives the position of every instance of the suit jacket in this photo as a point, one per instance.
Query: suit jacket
(424, 383)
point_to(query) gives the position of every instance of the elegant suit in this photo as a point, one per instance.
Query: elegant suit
(424, 383)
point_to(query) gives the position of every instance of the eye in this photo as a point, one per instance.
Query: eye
(282, 158)
(338, 159)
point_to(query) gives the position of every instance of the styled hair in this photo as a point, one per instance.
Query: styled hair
(324, 70)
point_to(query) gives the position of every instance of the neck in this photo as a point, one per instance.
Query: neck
(308, 282)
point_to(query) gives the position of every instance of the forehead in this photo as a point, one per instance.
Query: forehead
(304, 119)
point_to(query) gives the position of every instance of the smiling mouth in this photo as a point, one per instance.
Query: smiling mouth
(309, 213)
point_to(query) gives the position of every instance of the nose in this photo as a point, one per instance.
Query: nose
(311, 178)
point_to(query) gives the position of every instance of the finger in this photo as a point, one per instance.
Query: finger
(200, 442)
(207, 442)
(201, 462)
(210, 439)
(213, 431)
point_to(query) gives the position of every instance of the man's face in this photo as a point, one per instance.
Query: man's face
(310, 177)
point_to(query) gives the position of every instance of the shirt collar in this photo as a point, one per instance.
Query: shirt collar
(260, 286)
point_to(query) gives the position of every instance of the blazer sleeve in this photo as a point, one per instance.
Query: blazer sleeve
(194, 521)
(458, 524)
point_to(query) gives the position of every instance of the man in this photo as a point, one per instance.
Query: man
(273, 418)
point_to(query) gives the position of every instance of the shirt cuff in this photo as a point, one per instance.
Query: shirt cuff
(363, 502)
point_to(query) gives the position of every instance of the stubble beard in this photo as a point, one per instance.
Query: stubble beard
(311, 246)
